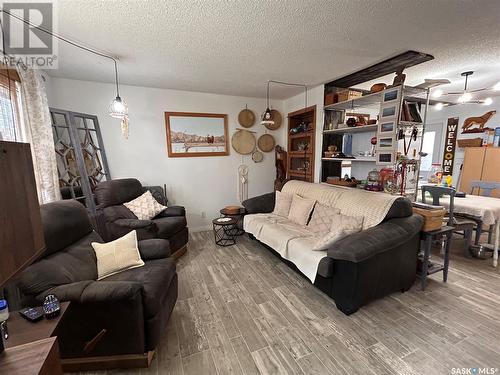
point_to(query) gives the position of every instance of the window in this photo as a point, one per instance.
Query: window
(428, 147)
(10, 106)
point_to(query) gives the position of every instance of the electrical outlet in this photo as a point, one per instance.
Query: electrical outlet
(203, 214)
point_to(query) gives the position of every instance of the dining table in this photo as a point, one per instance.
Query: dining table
(486, 209)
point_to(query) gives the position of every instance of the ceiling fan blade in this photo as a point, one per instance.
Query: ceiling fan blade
(478, 90)
(429, 83)
(453, 93)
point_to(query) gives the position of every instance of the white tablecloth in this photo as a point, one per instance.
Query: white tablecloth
(486, 208)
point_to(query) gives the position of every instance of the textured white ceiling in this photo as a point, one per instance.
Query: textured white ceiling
(234, 47)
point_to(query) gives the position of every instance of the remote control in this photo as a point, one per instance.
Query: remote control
(51, 306)
(32, 314)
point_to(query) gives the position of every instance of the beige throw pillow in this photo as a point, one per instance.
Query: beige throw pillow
(145, 207)
(282, 203)
(117, 256)
(300, 210)
(341, 227)
(321, 219)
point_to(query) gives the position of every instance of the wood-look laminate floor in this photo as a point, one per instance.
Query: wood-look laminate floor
(242, 311)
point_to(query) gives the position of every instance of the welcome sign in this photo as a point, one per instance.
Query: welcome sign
(449, 146)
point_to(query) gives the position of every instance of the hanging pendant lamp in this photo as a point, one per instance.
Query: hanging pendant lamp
(118, 107)
(267, 115)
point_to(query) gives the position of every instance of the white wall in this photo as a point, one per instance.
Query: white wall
(314, 97)
(201, 184)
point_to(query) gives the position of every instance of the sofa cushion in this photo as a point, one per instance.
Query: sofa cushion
(116, 192)
(300, 210)
(168, 226)
(341, 226)
(145, 207)
(64, 222)
(321, 219)
(283, 203)
(75, 263)
(118, 255)
(154, 277)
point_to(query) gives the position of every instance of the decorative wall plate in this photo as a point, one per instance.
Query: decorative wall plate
(243, 142)
(266, 143)
(246, 118)
(276, 117)
(257, 156)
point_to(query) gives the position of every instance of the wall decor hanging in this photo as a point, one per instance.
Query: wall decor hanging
(243, 141)
(266, 143)
(449, 145)
(257, 156)
(480, 121)
(277, 120)
(242, 182)
(246, 118)
(196, 134)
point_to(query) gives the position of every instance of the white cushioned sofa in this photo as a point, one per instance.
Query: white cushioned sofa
(371, 263)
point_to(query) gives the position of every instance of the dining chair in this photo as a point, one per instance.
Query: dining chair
(460, 223)
(485, 189)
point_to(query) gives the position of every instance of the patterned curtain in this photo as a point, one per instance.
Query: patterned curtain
(38, 129)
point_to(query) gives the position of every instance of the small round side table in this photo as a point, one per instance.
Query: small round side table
(238, 228)
(224, 231)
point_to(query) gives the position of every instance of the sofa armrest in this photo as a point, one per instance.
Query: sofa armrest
(110, 291)
(260, 205)
(135, 223)
(360, 246)
(156, 248)
(172, 211)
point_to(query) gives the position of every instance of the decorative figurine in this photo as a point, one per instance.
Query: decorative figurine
(480, 120)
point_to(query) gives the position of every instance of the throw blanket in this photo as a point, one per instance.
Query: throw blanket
(353, 202)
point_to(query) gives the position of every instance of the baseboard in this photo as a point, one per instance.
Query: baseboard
(107, 362)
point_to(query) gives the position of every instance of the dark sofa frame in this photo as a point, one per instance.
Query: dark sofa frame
(366, 265)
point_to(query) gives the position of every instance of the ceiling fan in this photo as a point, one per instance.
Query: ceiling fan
(466, 96)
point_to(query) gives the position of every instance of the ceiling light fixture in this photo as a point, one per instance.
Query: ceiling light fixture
(267, 115)
(438, 106)
(487, 101)
(466, 95)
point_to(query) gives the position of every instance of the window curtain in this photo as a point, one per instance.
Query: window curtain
(38, 132)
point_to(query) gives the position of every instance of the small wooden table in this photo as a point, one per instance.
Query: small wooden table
(426, 270)
(238, 228)
(30, 349)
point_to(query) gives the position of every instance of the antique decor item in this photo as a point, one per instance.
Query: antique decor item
(243, 141)
(266, 143)
(246, 118)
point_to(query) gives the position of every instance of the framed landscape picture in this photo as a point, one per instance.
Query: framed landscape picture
(196, 134)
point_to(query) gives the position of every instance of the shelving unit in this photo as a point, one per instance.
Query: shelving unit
(359, 136)
(300, 164)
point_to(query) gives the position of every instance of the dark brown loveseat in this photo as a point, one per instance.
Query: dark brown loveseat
(121, 316)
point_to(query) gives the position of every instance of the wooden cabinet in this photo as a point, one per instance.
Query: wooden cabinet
(480, 164)
(300, 164)
(21, 232)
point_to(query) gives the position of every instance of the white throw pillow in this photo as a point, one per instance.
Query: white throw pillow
(321, 219)
(145, 207)
(117, 256)
(282, 203)
(341, 227)
(300, 210)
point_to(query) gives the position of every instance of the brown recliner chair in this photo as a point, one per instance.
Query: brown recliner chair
(119, 220)
(120, 317)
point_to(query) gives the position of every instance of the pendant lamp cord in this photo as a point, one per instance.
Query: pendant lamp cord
(287, 84)
(66, 40)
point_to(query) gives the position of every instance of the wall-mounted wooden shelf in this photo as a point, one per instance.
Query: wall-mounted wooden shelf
(298, 158)
(354, 129)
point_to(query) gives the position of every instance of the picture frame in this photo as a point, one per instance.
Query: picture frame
(191, 134)
(387, 127)
(385, 157)
(387, 143)
(391, 95)
(388, 111)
